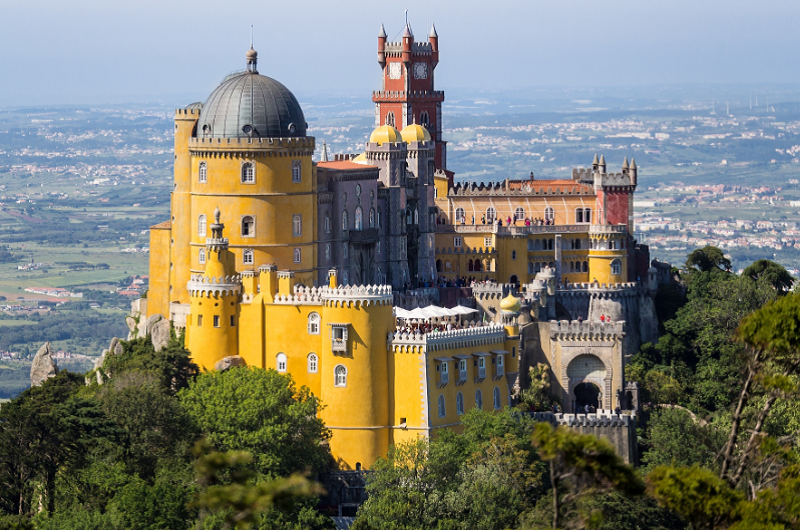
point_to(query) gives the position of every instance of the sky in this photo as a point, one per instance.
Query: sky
(119, 51)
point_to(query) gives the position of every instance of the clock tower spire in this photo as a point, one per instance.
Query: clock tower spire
(408, 95)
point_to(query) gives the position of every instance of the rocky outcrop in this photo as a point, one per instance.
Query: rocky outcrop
(43, 366)
(229, 362)
(115, 348)
(132, 330)
(160, 334)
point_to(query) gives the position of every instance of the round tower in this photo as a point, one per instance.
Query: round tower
(608, 258)
(212, 326)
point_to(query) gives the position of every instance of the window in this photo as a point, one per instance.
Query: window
(372, 217)
(340, 376)
(345, 224)
(233, 321)
(248, 173)
(327, 223)
(442, 411)
(312, 363)
(216, 321)
(297, 255)
(378, 218)
(359, 218)
(202, 172)
(247, 257)
(248, 226)
(460, 215)
(280, 362)
(408, 217)
(358, 190)
(423, 118)
(513, 254)
(202, 256)
(328, 251)
(496, 398)
(378, 247)
(390, 118)
(296, 171)
(313, 324)
(519, 214)
(491, 214)
(549, 213)
(487, 242)
(297, 225)
(345, 280)
(435, 193)
(344, 250)
(616, 267)
(416, 216)
(578, 215)
(577, 244)
(457, 242)
(478, 399)
(201, 225)
(585, 266)
(459, 403)
(199, 321)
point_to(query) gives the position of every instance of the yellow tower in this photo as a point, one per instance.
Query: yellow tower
(608, 262)
(211, 329)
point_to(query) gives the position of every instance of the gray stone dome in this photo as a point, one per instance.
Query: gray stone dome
(250, 105)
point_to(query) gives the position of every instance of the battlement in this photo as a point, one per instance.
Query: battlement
(595, 287)
(479, 335)
(521, 188)
(607, 180)
(357, 294)
(187, 113)
(200, 285)
(598, 419)
(586, 330)
(388, 95)
(304, 142)
(466, 250)
(417, 48)
(582, 174)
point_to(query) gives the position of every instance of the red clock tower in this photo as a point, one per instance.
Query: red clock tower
(407, 95)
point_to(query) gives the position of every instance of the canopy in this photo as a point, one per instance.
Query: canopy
(432, 311)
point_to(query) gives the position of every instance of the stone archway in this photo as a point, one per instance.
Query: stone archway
(587, 394)
(584, 369)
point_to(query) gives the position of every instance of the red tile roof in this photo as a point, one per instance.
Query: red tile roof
(166, 225)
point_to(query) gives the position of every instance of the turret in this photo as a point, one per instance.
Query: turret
(382, 47)
(633, 172)
(595, 163)
(625, 166)
(408, 43)
(433, 38)
(602, 165)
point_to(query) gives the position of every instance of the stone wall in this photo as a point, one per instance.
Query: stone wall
(620, 430)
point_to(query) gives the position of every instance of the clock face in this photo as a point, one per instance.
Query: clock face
(420, 70)
(395, 70)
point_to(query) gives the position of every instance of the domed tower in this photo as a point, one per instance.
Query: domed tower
(244, 150)
(212, 326)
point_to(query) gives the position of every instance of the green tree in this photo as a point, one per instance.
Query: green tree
(708, 259)
(770, 272)
(677, 437)
(261, 412)
(579, 463)
(172, 365)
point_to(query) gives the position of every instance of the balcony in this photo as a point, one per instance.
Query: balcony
(442, 369)
(499, 363)
(530, 230)
(364, 237)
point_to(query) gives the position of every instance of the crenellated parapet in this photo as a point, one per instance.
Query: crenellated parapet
(521, 188)
(205, 286)
(204, 147)
(467, 250)
(355, 295)
(586, 330)
(413, 342)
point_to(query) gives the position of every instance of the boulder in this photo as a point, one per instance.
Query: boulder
(131, 322)
(159, 334)
(229, 362)
(43, 366)
(146, 326)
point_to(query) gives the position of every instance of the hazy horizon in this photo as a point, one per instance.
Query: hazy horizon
(86, 52)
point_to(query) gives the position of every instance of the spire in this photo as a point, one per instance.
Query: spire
(625, 164)
(252, 60)
(595, 162)
(382, 34)
(324, 156)
(633, 163)
(407, 32)
(602, 160)
(433, 33)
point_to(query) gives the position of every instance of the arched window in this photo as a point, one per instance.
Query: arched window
(247, 257)
(423, 118)
(344, 221)
(478, 399)
(537, 268)
(372, 217)
(571, 266)
(340, 376)
(442, 411)
(202, 172)
(438, 265)
(469, 266)
(460, 215)
(248, 226)
(408, 217)
(297, 255)
(577, 244)
(459, 403)
(359, 218)
(496, 398)
(491, 214)
(513, 254)
(530, 267)
(296, 171)
(313, 324)
(202, 256)
(549, 213)
(248, 173)
(390, 118)
(280, 362)
(519, 214)
(537, 245)
(587, 215)
(585, 266)
(378, 218)
(530, 245)
(550, 244)
(313, 360)
(297, 225)
(201, 225)
(327, 222)
(616, 267)
(416, 216)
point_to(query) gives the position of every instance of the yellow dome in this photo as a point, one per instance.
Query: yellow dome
(510, 303)
(415, 133)
(361, 159)
(384, 134)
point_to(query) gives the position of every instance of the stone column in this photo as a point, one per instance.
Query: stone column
(557, 261)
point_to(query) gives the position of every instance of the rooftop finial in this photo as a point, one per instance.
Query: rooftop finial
(252, 55)
(407, 32)
(324, 157)
(251, 36)
(216, 215)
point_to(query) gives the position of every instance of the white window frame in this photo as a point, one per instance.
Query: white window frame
(460, 214)
(201, 256)
(297, 225)
(491, 215)
(359, 222)
(202, 226)
(487, 242)
(616, 267)
(281, 363)
(297, 255)
(457, 241)
(297, 171)
(549, 213)
(460, 404)
(252, 230)
(314, 321)
(202, 173)
(442, 406)
(519, 213)
(496, 401)
(248, 177)
(248, 256)
(377, 247)
(313, 363)
(479, 399)
(340, 376)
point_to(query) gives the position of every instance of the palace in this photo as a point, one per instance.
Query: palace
(274, 261)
